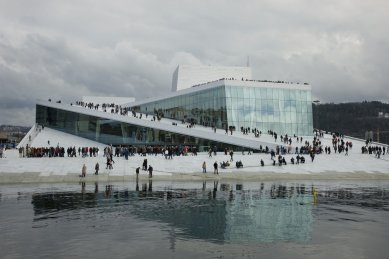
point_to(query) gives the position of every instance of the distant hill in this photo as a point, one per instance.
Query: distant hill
(14, 129)
(353, 119)
(12, 134)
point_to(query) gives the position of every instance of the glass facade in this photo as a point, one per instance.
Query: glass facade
(113, 132)
(283, 110)
(278, 109)
(206, 107)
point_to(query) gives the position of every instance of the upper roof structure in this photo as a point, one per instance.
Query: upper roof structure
(186, 76)
(224, 82)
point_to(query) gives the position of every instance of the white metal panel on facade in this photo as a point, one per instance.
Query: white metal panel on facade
(186, 76)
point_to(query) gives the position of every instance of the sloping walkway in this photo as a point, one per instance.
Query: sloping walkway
(174, 126)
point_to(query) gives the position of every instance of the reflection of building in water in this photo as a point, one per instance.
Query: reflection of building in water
(218, 213)
(260, 217)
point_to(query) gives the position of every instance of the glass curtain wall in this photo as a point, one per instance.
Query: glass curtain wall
(281, 110)
(117, 133)
(206, 107)
(264, 108)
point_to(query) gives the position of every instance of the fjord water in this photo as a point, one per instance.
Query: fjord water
(296, 219)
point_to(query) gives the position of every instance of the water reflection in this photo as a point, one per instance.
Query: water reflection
(231, 218)
(224, 212)
(220, 212)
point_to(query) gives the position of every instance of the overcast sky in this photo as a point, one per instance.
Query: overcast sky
(67, 49)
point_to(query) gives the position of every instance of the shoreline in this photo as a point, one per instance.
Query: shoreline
(355, 165)
(31, 177)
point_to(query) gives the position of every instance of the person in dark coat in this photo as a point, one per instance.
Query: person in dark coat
(215, 170)
(145, 165)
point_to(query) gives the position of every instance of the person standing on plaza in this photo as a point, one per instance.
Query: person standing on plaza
(215, 170)
(204, 167)
(145, 164)
(83, 171)
(97, 167)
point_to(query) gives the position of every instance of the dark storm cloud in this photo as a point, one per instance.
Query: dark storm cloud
(43, 68)
(67, 49)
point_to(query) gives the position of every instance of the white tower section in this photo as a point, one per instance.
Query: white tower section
(186, 76)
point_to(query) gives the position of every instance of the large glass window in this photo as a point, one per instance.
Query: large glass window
(275, 94)
(234, 105)
(269, 94)
(246, 92)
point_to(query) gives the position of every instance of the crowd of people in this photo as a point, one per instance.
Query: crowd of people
(376, 150)
(168, 151)
(106, 107)
(191, 123)
(338, 144)
(57, 151)
(117, 109)
(277, 155)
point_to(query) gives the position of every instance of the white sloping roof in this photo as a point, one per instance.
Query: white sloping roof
(236, 139)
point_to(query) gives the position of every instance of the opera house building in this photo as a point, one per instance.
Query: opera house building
(203, 100)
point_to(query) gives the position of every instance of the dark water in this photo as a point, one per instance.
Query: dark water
(195, 220)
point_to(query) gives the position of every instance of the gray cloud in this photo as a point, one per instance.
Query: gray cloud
(66, 49)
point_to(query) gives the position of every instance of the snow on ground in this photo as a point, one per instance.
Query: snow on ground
(333, 166)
